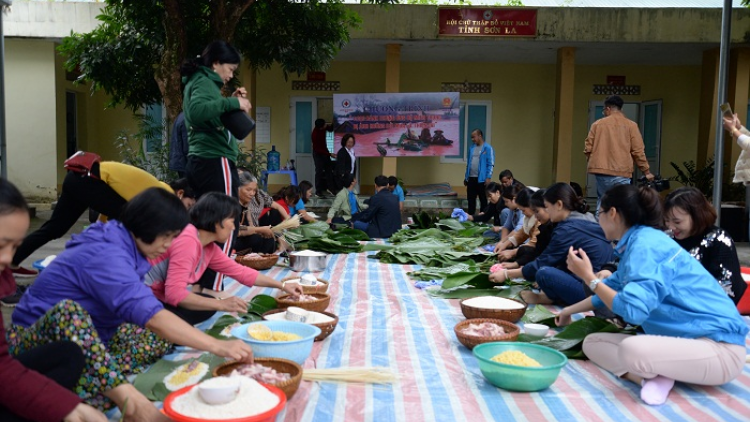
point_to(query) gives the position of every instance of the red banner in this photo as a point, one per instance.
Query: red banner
(486, 22)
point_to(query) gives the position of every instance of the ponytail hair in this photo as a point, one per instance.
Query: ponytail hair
(523, 199)
(637, 206)
(217, 51)
(567, 195)
(512, 191)
(493, 187)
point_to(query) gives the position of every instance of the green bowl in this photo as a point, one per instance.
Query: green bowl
(520, 378)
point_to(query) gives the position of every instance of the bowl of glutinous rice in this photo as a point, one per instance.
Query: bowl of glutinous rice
(519, 366)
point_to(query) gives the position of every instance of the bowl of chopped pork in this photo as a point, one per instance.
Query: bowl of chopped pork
(313, 302)
(519, 366)
(473, 332)
(281, 373)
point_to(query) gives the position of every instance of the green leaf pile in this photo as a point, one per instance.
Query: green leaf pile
(569, 341)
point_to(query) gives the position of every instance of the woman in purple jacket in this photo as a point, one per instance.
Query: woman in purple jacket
(93, 294)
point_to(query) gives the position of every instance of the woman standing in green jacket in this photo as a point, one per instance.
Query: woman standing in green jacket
(212, 149)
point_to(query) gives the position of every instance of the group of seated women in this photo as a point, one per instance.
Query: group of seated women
(681, 290)
(115, 301)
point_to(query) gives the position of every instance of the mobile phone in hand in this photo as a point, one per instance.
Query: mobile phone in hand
(726, 109)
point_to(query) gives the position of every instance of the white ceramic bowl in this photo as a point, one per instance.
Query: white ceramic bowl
(296, 314)
(535, 330)
(219, 390)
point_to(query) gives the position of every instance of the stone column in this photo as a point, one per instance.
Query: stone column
(563, 141)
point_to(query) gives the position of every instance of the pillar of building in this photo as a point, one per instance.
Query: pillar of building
(563, 135)
(392, 84)
(708, 106)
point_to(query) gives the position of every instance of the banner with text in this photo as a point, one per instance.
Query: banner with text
(398, 125)
(486, 22)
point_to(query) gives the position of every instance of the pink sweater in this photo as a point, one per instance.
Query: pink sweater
(185, 262)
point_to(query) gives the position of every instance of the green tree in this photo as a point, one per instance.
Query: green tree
(135, 53)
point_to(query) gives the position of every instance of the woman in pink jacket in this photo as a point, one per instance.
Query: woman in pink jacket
(195, 250)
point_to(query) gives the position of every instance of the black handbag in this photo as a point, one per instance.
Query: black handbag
(239, 123)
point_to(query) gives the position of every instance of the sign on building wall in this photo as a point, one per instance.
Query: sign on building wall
(263, 125)
(399, 125)
(486, 22)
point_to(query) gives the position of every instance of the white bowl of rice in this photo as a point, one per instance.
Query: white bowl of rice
(254, 402)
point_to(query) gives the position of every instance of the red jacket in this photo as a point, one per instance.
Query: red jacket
(24, 392)
(319, 145)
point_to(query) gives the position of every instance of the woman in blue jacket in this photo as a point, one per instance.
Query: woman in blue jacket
(574, 228)
(693, 332)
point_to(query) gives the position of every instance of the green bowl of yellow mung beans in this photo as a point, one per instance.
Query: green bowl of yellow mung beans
(512, 375)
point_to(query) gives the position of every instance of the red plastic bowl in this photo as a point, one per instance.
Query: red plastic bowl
(269, 416)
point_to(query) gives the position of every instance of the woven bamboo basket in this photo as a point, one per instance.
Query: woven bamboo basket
(321, 287)
(268, 261)
(510, 315)
(511, 332)
(289, 387)
(318, 305)
(326, 328)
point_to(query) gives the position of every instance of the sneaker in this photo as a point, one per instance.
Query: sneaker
(12, 300)
(22, 272)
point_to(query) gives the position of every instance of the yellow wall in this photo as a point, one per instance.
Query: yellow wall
(98, 126)
(523, 112)
(677, 87)
(30, 116)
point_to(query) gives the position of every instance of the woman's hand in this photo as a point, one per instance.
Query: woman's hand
(328, 221)
(293, 289)
(563, 318)
(234, 349)
(731, 123)
(245, 104)
(507, 254)
(579, 264)
(601, 275)
(499, 276)
(240, 92)
(134, 406)
(501, 246)
(232, 304)
(85, 413)
(264, 231)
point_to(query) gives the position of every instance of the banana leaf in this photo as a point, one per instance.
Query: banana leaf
(438, 273)
(312, 230)
(449, 224)
(474, 279)
(151, 383)
(343, 244)
(569, 341)
(538, 314)
(405, 235)
(512, 293)
(355, 234)
(260, 304)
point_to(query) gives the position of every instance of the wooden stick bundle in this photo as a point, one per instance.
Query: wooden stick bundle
(291, 223)
(354, 375)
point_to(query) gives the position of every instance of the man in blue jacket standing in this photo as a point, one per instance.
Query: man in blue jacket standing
(479, 166)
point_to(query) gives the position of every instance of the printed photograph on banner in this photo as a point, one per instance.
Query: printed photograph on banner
(399, 125)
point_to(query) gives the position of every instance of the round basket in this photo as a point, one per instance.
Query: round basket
(511, 332)
(510, 315)
(326, 328)
(267, 261)
(289, 387)
(321, 287)
(318, 305)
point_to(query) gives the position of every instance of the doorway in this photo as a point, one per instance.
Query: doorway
(648, 116)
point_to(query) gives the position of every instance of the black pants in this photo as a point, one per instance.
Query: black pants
(323, 173)
(525, 255)
(78, 193)
(475, 188)
(214, 175)
(62, 362)
(255, 243)
(271, 218)
(190, 316)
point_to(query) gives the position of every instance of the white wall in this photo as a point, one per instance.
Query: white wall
(31, 116)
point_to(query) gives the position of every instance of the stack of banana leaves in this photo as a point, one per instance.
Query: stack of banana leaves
(318, 236)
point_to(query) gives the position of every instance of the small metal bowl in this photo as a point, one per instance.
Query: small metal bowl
(312, 264)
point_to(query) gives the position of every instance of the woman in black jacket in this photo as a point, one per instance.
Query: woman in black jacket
(345, 160)
(691, 218)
